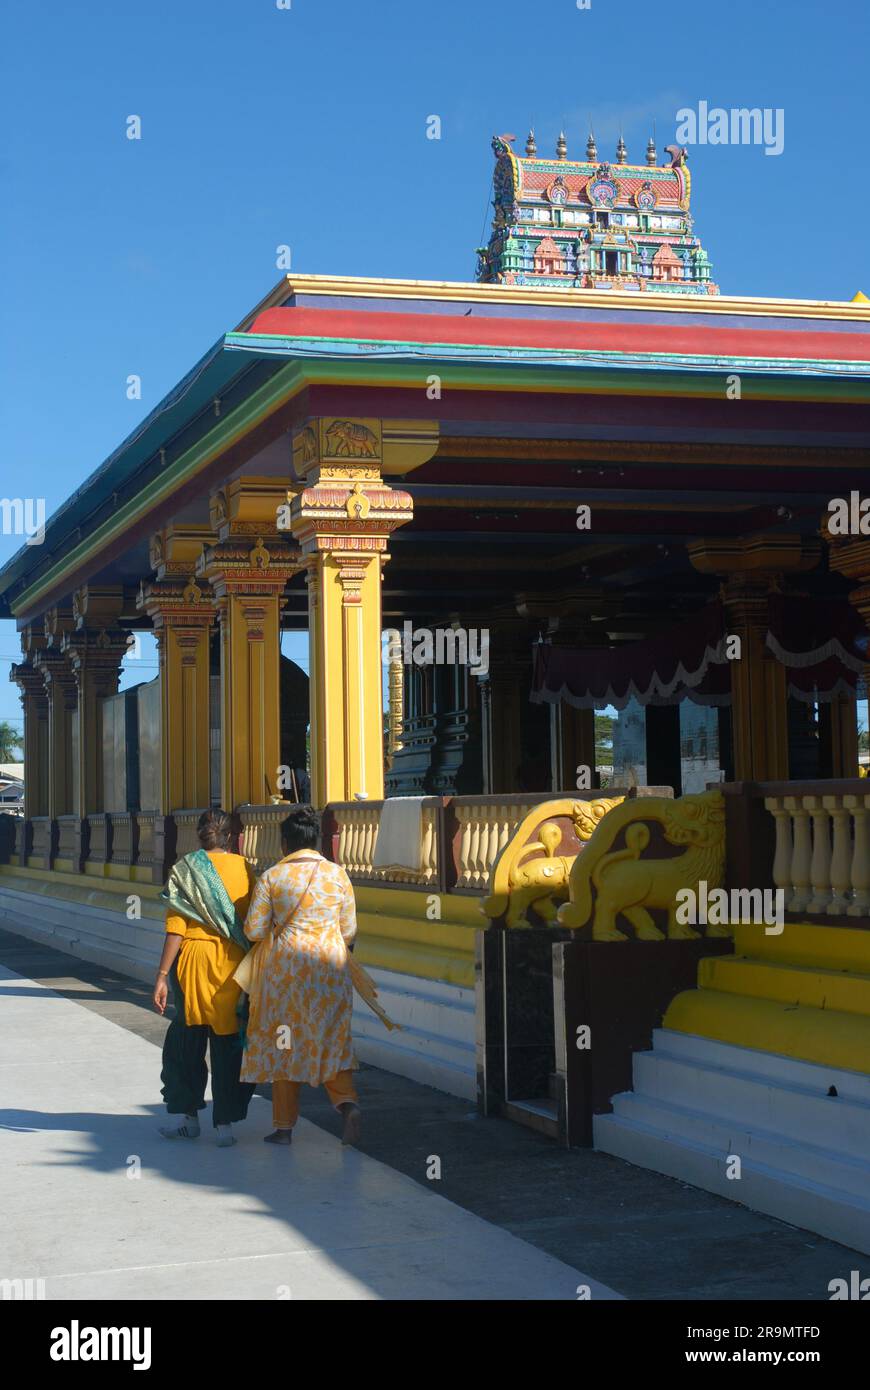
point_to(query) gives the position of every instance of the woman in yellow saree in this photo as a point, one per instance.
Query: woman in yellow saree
(206, 900)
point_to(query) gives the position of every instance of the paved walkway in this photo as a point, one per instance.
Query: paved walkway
(103, 1207)
(76, 1116)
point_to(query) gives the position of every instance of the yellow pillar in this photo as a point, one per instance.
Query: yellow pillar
(62, 702)
(342, 519)
(248, 570)
(95, 649)
(751, 569)
(34, 706)
(182, 616)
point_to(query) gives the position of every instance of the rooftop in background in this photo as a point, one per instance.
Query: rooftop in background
(593, 225)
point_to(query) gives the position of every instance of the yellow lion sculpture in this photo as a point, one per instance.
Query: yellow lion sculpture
(627, 884)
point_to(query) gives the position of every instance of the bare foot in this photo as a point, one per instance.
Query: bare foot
(352, 1123)
(279, 1136)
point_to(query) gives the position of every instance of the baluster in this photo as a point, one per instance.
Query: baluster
(353, 841)
(504, 830)
(860, 905)
(487, 842)
(372, 825)
(427, 857)
(820, 864)
(801, 855)
(474, 851)
(464, 846)
(362, 858)
(782, 859)
(264, 841)
(841, 858)
(484, 862)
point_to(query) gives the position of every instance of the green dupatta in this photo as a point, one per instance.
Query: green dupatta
(196, 890)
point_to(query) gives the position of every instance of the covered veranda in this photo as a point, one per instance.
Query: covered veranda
(591, 481)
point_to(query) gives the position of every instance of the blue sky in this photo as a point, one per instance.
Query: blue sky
(307, 127)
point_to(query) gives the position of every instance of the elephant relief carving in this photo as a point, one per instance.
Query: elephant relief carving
(347, 439)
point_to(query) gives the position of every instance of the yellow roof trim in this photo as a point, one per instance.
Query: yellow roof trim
(371, 287)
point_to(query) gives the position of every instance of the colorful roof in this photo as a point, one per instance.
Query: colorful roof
(605, 221)
(536, 359)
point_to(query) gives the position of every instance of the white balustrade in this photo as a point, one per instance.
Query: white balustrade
(358, 836)
(187, 839)
(485, 828)
(822, 855)
(260, 841)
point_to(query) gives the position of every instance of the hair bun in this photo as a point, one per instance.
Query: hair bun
(214, 829)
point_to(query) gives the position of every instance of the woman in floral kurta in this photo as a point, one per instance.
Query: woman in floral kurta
(302, 912)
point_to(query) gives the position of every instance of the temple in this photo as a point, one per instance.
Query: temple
(592, 224)
(568, 545)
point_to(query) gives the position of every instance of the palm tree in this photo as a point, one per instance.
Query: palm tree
(10, 742)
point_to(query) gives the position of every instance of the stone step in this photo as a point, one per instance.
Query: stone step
(853, 1085)
(735, 1093)
(775, 1151)
(824, 1037)
(847, 992)
(812, 1206)
(808, 944)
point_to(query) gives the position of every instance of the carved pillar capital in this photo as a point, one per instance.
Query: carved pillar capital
(97, 606)
(248, 568)
(330, 448)
(58, 620)
(29, 679)
(249, 508)
(58, 676)
(95, 657)
(752, 563)
(850, 556)
(176, 603)
(349, 519)
(173, 552)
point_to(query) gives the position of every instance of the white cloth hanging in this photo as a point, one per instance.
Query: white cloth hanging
(400, 834)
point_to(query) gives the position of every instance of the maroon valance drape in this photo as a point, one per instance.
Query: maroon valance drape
(683, 662)
(822, 643)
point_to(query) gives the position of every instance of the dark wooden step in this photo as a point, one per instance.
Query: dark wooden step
(541, 1114)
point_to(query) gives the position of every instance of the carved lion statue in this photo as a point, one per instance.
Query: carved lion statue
(627, 884)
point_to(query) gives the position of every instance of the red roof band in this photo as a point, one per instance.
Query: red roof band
(700, 340)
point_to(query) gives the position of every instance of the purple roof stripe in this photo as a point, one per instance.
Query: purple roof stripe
(582, 314)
